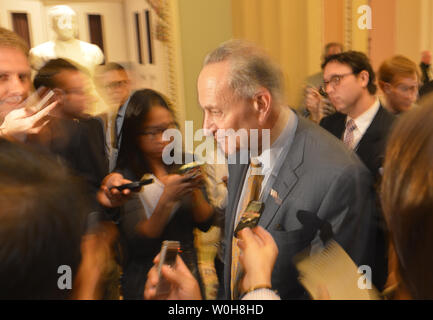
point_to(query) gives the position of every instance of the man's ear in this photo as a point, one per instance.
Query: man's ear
(262, 101)
(385, 87)
(364, 76)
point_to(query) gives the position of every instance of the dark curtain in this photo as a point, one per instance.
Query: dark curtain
(138, 33)
(95, 30)
(149, 36)
(21, 26)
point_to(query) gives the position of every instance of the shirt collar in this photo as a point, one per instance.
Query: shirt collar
(364, 120)
(269, 157)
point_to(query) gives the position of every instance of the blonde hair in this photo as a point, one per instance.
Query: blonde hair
(10, 39)
(397, 66)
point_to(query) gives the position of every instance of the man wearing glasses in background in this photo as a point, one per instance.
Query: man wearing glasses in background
(361, 122)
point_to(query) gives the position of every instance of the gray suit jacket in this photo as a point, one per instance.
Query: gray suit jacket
(325, 191)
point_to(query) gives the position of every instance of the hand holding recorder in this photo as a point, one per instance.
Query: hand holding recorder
(109, 195)
(168, 280)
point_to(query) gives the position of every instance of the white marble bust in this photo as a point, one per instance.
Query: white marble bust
(66, 45)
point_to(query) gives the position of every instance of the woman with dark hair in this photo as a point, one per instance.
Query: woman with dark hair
(167, 209)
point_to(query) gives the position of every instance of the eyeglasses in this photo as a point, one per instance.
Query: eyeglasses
(407, 89)
(117, 84)
(153, 132)
(335, 80)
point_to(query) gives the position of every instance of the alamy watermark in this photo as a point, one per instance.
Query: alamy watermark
(235, 146)
(64, 282)
(364, 21)
(364, 281)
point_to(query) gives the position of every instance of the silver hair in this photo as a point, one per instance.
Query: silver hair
(250, 69)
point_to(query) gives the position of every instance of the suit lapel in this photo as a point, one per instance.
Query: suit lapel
(339, 126)
(236, 179)
(286, 177)
(281, 189)
(373, 132)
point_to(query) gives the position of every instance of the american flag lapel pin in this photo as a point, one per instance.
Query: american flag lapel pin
(274, 194)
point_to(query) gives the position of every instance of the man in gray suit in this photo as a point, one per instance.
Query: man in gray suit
(313, 187)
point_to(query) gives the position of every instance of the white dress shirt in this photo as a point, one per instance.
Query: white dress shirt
(363, 122)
